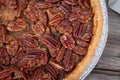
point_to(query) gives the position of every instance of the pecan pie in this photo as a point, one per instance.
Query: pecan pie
(48, 39)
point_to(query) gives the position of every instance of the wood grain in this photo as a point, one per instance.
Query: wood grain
(108, 67)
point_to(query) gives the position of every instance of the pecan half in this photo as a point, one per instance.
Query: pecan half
(39, 74)
(87, 37)
(38, 29)
(76, 9)
(86, 15)
(55, 17)
(12, 4)
(89, 27)
(2, 2)
(76, 58)
(53, 52)
(79, 30)
(4, 57)
(56, 20)
(17, 25)
(3, 34)
(71, 2)
(52, 12)
(80, 50)
(13, 47)
(64, 9)
(68, 61)
(73, 16)
(56, 65)
(67, 41)
(28, 40)
(31, 13)
(51, 1)
(75, 13)
(53, 71)
(43, 5)
(19, 55)
(88, 32)
(21, 6)
(84, 3)
(32, 59)
(60, 54)
(11, 74)
(64, 26)
(82, 43)
(50, 41)
(43, 17)
(46, 77)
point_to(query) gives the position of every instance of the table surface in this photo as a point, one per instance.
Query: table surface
(108, 67)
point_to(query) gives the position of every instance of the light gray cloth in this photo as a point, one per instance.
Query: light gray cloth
(114, 5)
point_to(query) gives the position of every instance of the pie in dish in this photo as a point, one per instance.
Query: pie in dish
(48, 39)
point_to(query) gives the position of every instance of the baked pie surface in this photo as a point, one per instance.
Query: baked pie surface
(48, 39)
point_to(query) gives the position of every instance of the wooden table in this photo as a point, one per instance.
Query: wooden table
(108, 67)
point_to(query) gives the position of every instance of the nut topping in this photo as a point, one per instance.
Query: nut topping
(84, 3)
(43, 5)
(17, 25)
(80, 50)
(53, 71)
(50, 41)
(64, 26)
(38, 29)
(55, 20)
(19, 55)
(39, 74)
(60, 54)
(12, 48)
(28, 40)
(71, 2)
(51, 1)
(31, 13)
(21, 6)
(79, 30)
(3, 34)
(43, 17)
(65, 9)
(4, 57)
(59, 67)
(67, 41)
(82, 43)
(86, 15)
(32, 59)
(6, 74)
(68, 62)
(43, 39)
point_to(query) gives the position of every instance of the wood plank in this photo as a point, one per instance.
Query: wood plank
(109, 63)
(103, 75)
(106, 72)
(114, 21)
(112, 48)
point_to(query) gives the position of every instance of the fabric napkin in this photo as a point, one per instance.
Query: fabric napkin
(114, 5)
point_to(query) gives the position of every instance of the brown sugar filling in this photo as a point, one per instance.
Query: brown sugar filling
(43, 39)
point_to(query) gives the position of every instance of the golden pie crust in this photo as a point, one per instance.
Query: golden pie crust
(98, 24)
